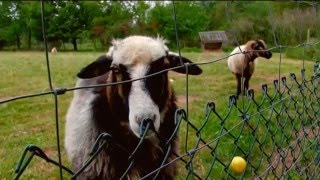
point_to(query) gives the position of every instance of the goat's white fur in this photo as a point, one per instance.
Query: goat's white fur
(79, 120)
(235, 61)
(140, 103)
(137, 49)
(54, 50)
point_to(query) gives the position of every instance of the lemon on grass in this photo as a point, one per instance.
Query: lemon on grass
(238, 164)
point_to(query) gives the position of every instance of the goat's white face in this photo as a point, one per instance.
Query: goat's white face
(134, 58)
(137, 53)
(141, 105)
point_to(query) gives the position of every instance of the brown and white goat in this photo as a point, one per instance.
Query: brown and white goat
(243, 64)
(119, 110)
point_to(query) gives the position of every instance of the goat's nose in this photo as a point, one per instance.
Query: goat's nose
(146, 122)
(151, 117)
(269, 54)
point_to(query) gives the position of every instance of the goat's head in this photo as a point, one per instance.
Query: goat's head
(133, 58)
(261, 45)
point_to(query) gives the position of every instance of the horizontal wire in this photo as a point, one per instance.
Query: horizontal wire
(25, 96)
(147, 76)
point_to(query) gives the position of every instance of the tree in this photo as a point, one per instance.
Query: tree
(68, 23)
(35, 18)
(115, 21)
(11, 29)
(5, 22)
(191, 18)
(31, 21)
(139, 10)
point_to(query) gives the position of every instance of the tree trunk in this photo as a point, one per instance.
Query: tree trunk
(29, 38)
(74, 42)
(94, 43)
(18, 41)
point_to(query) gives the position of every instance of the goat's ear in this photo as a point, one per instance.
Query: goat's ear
(174, 60)
(255, 45)
(96, 68)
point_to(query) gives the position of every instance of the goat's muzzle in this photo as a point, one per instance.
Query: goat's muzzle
(139, 123)
(146, 128)
(267, 54)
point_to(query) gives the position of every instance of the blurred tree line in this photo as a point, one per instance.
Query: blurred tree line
(97, 22)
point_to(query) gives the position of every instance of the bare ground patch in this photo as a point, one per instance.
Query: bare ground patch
(267, 79)
(287, 158)
(49, 152)
(2, 98)
(181, 100)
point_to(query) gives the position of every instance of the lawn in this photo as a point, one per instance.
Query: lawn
(32, 120)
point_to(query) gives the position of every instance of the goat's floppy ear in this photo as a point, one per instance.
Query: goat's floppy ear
(96, 68)
(255, 45)
(174, 60)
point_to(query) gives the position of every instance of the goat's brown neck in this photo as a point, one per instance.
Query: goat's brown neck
(250, 57)
(248, 61)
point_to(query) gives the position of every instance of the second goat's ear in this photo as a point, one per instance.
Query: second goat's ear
(175, 61)
(96, 68)
(255, 45)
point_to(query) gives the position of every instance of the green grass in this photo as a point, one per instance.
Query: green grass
(32, 120)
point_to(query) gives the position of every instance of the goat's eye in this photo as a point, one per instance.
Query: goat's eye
(115, 68)
(160, 64)
(118, 68)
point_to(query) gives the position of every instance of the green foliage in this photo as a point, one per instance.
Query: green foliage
(309, 53)
(227, 49)
(190, 20)
(11, 29)
(250, 21)
(101, 21)
(70, 21)
(191, 49)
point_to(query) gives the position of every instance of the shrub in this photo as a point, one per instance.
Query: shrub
(191, 49)
(227, 49)
(311, 52)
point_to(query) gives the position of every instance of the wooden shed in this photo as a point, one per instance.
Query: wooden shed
(212, 40)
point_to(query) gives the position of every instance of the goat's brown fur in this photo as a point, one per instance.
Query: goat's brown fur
(242, 65)
(112, 118)
(110, 110)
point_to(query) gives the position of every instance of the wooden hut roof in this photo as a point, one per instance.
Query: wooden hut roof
(213, 36)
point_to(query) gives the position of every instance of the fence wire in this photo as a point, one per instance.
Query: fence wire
(277, 134)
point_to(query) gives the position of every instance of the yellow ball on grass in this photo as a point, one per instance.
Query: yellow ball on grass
(238, 164)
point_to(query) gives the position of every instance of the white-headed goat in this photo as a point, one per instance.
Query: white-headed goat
(119, 110)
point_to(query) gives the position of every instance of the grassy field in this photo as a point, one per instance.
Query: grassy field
(32, 120)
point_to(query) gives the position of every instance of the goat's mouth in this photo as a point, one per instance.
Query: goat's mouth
(144, 129)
